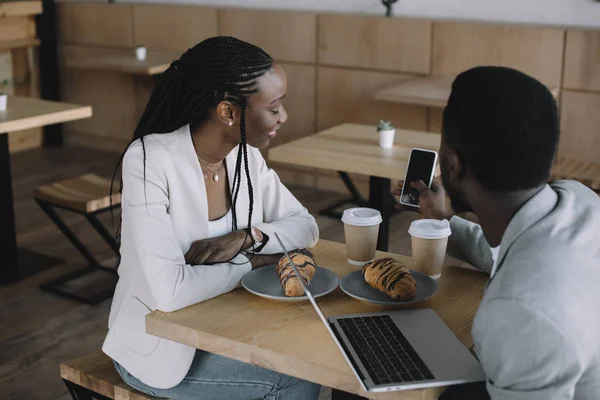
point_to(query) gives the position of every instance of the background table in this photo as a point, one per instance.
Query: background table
(352, 148)
(23, 113)
(155, 63)
(431, 91)
(290, 338)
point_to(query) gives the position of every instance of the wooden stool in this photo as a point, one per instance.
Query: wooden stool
(94, 377)
(87, 195)
(585, 172)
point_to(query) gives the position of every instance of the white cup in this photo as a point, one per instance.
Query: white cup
(429, 239)
(3, 102)
(361, 229)
(140, 53)
(386, 138)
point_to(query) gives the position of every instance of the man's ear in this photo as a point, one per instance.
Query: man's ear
(456, 165)
(228, 113)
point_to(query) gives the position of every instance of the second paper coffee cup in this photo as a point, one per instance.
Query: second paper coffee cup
(361, 228)
(429, 238)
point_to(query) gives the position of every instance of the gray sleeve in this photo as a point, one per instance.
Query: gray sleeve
(467, 243)
(524, 353)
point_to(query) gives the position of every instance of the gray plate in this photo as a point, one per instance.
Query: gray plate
(264, 282)
(354, 285)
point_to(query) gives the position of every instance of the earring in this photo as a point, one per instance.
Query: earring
(230, 123)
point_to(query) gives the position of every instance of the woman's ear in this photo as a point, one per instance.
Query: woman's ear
(227, 112)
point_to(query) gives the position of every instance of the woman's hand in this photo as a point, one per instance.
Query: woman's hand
(432, 201)
(219, 249)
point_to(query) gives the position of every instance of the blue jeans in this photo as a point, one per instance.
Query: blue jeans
(215, 377)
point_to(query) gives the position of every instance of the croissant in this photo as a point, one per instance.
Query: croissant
(390, 277)
(305, 263)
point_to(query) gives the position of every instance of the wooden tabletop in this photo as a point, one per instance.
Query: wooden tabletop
(21, 7)
(354, 148)
(29, 112)
(291, 339)
(431, 91)
(155, 62)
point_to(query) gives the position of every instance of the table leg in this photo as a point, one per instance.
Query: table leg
(48, 59)
(340, 395)
(8, 234)
(381, 199)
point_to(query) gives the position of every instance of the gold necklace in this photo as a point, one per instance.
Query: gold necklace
(208, 166)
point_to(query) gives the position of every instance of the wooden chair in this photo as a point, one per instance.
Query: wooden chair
(93, 377)
(585, 172)
(87, 195)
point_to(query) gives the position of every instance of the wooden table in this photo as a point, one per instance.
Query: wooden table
(430, 91)
(23, 113)
(290, 338)
(154, 64)
(351, 148)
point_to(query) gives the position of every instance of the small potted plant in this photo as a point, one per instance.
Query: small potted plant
(386, 134)
(3, 95)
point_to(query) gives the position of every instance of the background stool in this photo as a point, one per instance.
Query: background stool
(87, 195)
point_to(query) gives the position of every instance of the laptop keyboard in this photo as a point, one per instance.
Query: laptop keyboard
(384, 351)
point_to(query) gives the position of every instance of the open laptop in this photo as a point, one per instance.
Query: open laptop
(399, 350)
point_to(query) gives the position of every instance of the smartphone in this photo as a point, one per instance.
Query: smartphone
(421, 165)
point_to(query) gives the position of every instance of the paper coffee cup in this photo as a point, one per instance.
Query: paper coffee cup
(429, 238)
(361, 228)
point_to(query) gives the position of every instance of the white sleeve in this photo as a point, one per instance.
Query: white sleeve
(173, 283)
(467, 243)
(283, 213)
(524, 353)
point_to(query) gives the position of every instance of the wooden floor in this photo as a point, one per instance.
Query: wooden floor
(38, 330)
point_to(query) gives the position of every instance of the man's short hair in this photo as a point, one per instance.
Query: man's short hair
(505, 126)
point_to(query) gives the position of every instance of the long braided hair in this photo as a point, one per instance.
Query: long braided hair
(217, 69)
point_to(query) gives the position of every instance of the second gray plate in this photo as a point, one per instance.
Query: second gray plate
(264, 282)
(354, 285)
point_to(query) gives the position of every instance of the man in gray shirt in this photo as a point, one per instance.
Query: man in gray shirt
(537, 330)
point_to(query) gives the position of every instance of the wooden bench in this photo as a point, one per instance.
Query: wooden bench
(93, 377)
(87, 195)
(585, 172)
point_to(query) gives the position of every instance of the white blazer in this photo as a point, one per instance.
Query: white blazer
(164, 210)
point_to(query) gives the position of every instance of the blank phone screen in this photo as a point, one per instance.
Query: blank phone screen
(420, 168)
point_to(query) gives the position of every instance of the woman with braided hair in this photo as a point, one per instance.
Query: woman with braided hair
(199, 205)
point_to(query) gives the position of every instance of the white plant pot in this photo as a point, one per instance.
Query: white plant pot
(3, 101)
(386, 138)
(140, 53)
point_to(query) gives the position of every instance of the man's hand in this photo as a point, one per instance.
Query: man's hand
(432, 201)
(219, 249)
(263, 260)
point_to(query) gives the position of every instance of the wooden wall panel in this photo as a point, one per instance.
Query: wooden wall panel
(99, 24)
(14, 28)
(299, 103)
(435, 120)
(172, 27)
(143, 89)
(534, 50)
(393, 44)
(112, 97)
(580, 137)
(582, 60)
(286, 36)
(347, 96)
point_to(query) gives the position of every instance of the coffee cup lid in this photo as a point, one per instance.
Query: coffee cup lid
(430, 228)
(361, 216)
